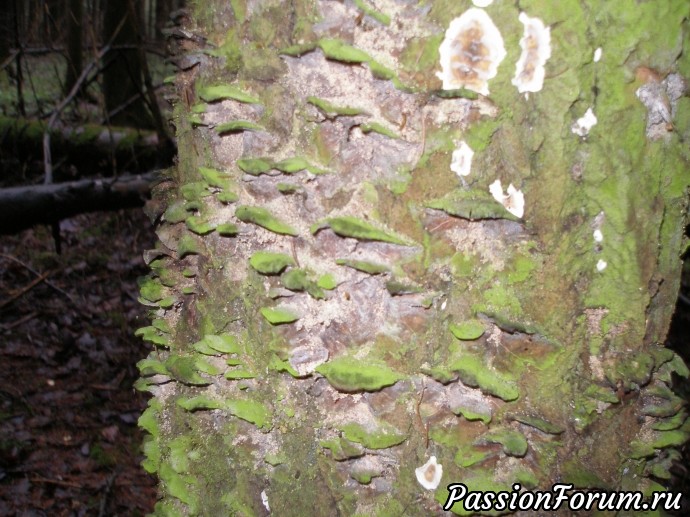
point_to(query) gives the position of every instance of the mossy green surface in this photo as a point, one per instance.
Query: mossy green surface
(351, 375)
(348, 226)
(262, 217)
(363, 266)
(236, 126)
(331, 110)
(473, 372)
(278, 316)
(467, 330)
(270, 263)
(226, 91)
(380, 439)
(472, 205)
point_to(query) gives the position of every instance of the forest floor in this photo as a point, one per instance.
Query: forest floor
(69, 441)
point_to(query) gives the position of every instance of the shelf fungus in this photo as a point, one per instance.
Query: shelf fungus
(601, 265)
(471, 52)
(536, 50)
(461, 161)
(429, 475)
(513, 201)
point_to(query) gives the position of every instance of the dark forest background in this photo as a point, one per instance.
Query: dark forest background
(85, 109)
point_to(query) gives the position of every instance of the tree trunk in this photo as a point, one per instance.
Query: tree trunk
(75, 17)
(349, 285)
(122, 77)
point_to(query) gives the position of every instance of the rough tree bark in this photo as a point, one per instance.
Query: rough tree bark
(340, 290)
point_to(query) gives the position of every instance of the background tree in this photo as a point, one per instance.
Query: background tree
(75, 17)
(363, 265)
(122, 77)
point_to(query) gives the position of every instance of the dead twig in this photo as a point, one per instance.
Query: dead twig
(26, 288)
(16, 323)
(29, 268)
(57, 482)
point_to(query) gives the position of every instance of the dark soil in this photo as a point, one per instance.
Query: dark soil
(69, 441)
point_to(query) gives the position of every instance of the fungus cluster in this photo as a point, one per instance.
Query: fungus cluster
(513, 201)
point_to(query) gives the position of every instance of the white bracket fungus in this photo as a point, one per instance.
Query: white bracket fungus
(601, 265)
(586, 122)
(598, 236)
(429, 475)
(597, 55)
(471, 52)
(461, 161)
(536, 50)
(482, 3)
(264, 501)
(513, 201)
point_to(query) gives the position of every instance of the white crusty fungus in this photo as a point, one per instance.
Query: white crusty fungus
(586, 122)
(597, 55)
(461, 161)
(601, 265)
(482, 3)
(536, 50)
(513, 201)
(429, 475)
(264, 501)
(598, 236)
(471, 52)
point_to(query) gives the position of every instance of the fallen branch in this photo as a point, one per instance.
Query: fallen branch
(24, 207)
(32, 270)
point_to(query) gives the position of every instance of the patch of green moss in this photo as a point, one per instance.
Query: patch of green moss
(538, 423)
(252, 411)
(298, 280)
(199, 225)
(351, 375)
(372, 12)
(467, 330)
(513, 442)
(278, 316)
(331, 110)
(269, 263)
(342, 449)
(262, 217)
(375, 127)
(236, 126)
(363, 266)
(473, 205)
(474, 373)
(226, 91)
(383, 438)
(184, 370)
(150, 288)
(348, 226)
